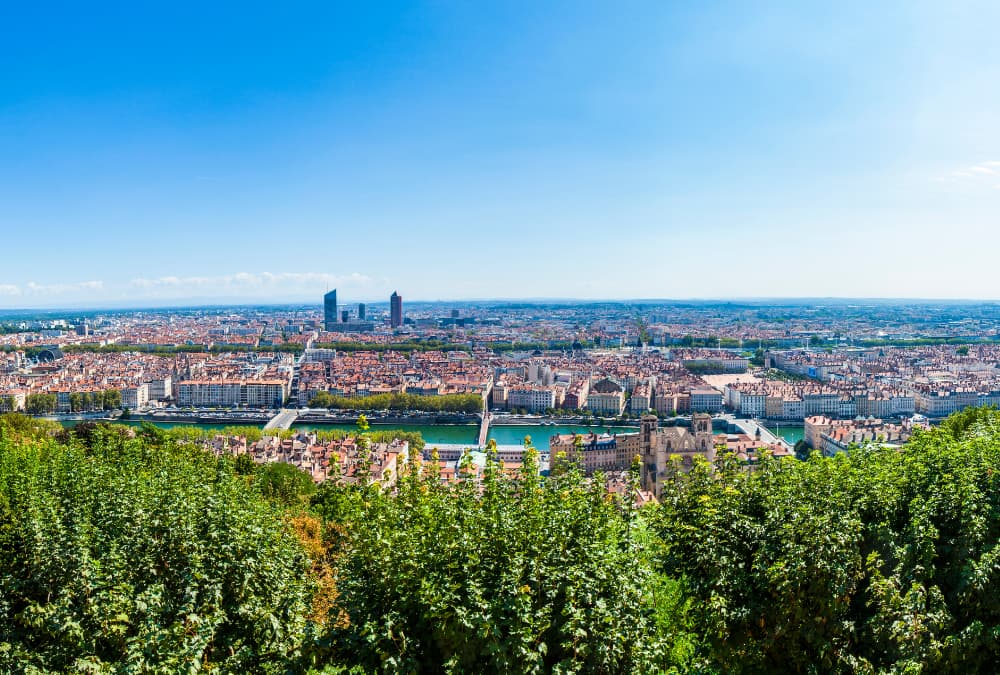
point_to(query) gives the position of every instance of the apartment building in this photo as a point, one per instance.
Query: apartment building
(641, 399)
(706, 400)
(160, 389)
(532, 398)
(576, 394)
(606, 398)
(135, 398)
(231, 393)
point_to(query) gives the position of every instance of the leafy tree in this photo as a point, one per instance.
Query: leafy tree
(284, 483)
(244, 465)
(16, 426)
(802, 449)
(529, 575)
(125, 551)
(878, 560)
(111, 399)
(140, 555)
(451, 403)
(363, 425)
(40, 404)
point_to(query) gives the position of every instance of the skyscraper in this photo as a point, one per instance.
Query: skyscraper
(361, 311)
(395, 310)
(330, 310)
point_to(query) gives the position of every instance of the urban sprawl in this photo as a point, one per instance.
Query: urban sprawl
(691, 378)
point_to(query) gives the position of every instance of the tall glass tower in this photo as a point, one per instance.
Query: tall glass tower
(330, 310)
(395, 310)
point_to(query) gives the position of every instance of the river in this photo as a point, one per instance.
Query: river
(792, 435)
(442, 434)
(458, 434)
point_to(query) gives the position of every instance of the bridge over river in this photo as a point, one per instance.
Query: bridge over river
(484, 429)
(283, 420)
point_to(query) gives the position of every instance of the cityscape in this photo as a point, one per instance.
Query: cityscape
(554, 338)
(781, 377)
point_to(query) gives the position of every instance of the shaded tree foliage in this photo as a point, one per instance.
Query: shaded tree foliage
(529, 575)
(146, 554)
(881, 560)
(129, 555)
(450, 403)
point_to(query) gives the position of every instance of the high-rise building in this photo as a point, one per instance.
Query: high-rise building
(330, 310)
(345, 316)
(395, 310)
(361, 311)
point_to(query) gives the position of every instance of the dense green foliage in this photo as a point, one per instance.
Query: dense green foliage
(109, 399)
(529, 575)
(194, 434)
(9, 328)
(86, 401)
(709, 341)
(881, 561)
(144, 554)
(283, 483)
(450, 403)
(40, 404)
(139, 555)
(784, 376)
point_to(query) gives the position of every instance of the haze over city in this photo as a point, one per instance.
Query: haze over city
(193, 154)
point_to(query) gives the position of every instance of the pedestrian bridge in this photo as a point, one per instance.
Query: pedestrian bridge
(283, 420)
(484, 429)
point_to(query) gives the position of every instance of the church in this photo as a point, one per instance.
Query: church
(653, 445)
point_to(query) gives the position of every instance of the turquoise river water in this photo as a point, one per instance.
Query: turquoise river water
(443, 434)
(458, 434)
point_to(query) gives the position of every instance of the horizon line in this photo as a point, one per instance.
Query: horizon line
(221, 303)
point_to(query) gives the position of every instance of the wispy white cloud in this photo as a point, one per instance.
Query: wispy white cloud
(246, 285)
(987, 170)
(264, 283)
(32, 288)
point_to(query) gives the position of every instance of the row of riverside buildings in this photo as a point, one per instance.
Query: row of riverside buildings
(606, 396)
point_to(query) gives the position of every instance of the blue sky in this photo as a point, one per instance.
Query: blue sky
(162, 151)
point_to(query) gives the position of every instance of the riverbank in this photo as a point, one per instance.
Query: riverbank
(433, 434)
(336, 417)
(393, 417)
